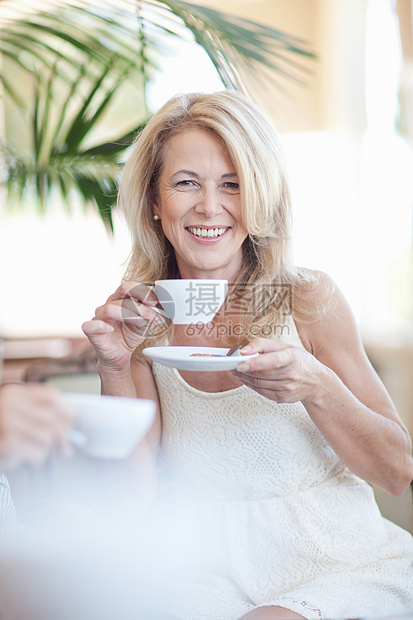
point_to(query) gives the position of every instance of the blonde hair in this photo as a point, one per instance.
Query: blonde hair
(254, 149)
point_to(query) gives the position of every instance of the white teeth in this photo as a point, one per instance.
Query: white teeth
(207, 232)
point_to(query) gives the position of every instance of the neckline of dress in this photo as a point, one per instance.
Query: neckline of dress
(190, 387)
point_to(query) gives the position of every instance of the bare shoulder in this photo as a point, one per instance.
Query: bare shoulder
(334, 332)
(334, 339)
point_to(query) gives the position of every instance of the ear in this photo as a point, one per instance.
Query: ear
(156, 210)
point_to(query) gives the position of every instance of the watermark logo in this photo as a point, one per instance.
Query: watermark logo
(238, 330)
(199, 303)
(202, 299)
(250, 300)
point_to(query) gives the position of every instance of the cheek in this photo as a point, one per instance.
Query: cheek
(174, 204)
(240, 220)
(236, 210)
(172, 229)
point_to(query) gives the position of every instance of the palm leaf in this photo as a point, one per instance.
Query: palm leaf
(114, 148)
(59, 157)
(78, 56)
(249, 41)
(112, 27)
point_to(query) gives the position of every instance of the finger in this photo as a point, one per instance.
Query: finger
(144, 294)
(133, 290)
(149, 313)
(132, 307)
(118, 313)
(276, 391)
(30, 444)
(37, 419)
(254, 379)
(32, 452)
(95, 327)
(41, 435)
(274, 395)
(122, 291)
(46, 422)
(261, 383)
(33, 401)
(263, 345)
(274, 360)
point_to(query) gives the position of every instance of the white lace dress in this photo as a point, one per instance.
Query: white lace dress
(266, 514)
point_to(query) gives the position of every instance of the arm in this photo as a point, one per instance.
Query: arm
(117, 328)
(342, 394)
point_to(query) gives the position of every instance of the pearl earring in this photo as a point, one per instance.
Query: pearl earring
(156, 217)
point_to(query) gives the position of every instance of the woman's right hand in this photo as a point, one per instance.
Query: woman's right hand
(120, 325)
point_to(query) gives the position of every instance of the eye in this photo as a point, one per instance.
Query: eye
(231, 186)
(185, 183)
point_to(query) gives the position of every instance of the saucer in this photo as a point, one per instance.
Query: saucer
(196, 358)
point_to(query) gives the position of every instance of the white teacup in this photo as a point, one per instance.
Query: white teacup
(109, 426)
(190, 301)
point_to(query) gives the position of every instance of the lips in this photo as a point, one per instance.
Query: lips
(207, 233)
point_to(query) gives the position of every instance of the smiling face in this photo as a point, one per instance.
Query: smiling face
(198, 202)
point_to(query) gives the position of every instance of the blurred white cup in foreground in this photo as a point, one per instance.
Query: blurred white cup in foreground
(109, 426)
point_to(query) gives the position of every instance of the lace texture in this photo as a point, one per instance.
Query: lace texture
(266, 514)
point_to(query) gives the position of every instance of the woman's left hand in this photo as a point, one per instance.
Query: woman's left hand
(282, 372)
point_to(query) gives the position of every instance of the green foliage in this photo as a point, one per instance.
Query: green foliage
(76, 59)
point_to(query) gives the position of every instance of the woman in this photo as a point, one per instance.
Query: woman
(269, 461)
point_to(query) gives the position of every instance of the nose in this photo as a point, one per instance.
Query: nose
(209, 203)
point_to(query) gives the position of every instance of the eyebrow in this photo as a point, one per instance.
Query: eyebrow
(227, 175)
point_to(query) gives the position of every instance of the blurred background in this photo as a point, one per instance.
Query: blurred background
(336, 77)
